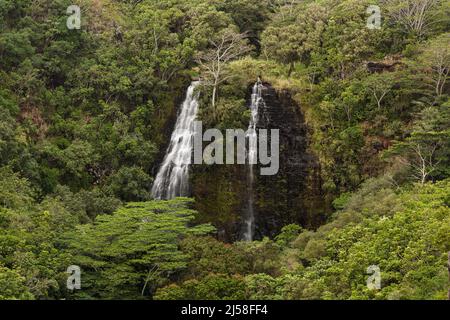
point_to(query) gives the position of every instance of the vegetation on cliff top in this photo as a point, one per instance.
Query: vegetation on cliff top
(85, 116)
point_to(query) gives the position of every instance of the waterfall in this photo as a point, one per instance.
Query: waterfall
(172, 179)
(252, 156)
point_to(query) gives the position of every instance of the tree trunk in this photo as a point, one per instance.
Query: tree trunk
(214, 96)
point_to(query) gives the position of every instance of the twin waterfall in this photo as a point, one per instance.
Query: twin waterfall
(172, 179)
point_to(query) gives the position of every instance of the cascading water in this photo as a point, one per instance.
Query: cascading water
(252, 157)
(172, 179)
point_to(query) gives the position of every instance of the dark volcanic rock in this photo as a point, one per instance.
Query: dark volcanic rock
(293, 195)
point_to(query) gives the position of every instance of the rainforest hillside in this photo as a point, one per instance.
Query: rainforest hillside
(359, 90)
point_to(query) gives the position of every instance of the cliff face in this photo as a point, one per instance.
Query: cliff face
(293, 195)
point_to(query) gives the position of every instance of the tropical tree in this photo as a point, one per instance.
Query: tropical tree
(135, 250)
(435, 60)
(225, 47)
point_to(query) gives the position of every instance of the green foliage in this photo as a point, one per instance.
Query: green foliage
(15, 192)
(131, 184)
(409, 244)
(288, 234)
(12, 286)
(135, 250)
(426, 152)
(292, 38)
(30, 252)
(208, 255)
(212, 287)
(85, 115)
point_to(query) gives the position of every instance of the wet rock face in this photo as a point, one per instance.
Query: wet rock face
(293, 195)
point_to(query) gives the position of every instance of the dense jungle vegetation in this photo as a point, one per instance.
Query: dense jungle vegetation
(85, 115)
